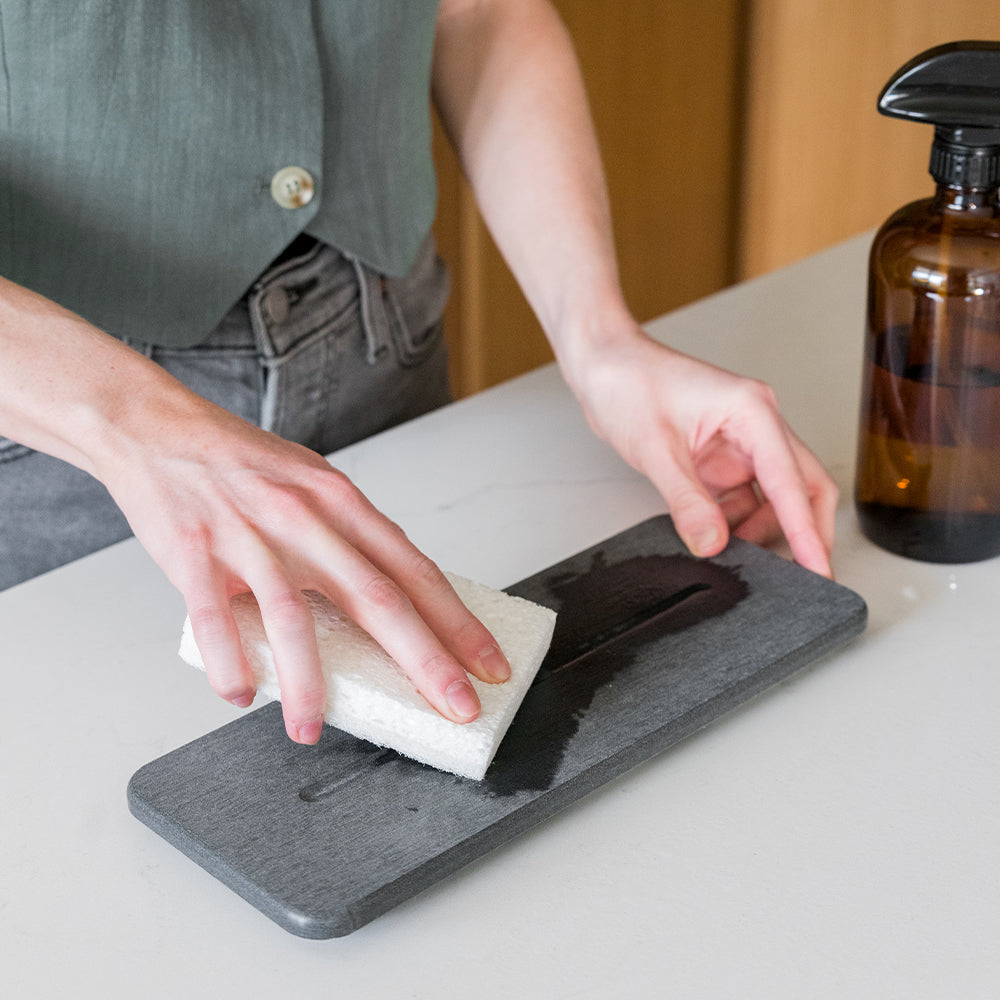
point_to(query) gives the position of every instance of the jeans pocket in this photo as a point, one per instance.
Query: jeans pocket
(413, 343)
(414, 306)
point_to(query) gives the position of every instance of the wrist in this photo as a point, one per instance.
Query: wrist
(592, 335)
(64, 384)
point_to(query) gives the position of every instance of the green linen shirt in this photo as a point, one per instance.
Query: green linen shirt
(139, 138)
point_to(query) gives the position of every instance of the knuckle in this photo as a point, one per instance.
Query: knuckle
(211, 624)
(472, 636)
(827, 482)
(439, 670)
(336, 486)
(427, 572)
(289, 505)
(189, 550)
(231, 688)
(759, 395)
(384, 596)
(286, 609)
(304, 701)
(334, 479)
(193, 538)
(397, 530)
(684, 497)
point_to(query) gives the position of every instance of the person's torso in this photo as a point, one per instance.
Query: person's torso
(139, 141)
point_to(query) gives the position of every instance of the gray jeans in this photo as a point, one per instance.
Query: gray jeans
(321, 350)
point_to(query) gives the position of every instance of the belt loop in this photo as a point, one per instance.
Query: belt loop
(374, 321)
(258, 323)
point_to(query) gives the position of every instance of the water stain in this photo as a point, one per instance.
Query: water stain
(607, 614)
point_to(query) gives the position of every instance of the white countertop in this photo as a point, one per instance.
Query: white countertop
(836, 838)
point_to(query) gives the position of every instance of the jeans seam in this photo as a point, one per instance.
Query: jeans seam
(375, 338)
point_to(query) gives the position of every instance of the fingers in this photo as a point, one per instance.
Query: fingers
(752, 517)
(323, 535)
(382, 609)
(401, 598)
(291, 634)
(288, 625)
(696, 516)
(803, 496)
(217, 636)
(218, 642)
(699, 432)
(226, 508)
(824, 496)
(462, 634)
(433, 598)
(767, 484)
(739, 505)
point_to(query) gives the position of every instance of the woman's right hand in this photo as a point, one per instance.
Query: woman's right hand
(224, 508)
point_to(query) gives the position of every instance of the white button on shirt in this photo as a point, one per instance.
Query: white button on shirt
(292, 187)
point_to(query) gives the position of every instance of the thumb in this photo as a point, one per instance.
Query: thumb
(696, 516)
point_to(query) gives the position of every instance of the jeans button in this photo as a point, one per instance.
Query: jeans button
(275, 304)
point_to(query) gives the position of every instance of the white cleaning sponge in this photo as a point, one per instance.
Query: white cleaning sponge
(369, 696)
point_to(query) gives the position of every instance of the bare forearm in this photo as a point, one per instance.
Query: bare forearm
(509, 91)
(66, 388)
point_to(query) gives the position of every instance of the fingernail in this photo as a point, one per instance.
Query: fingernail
(463, 700)
(310, 732)
(705, 541)
(243, 701)
(494, 664)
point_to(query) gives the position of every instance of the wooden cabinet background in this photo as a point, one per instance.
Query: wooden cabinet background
(738, 136)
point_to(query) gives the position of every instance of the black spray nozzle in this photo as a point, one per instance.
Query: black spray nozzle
(955, 87)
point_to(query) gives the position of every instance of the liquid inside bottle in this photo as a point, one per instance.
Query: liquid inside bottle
(928, 474)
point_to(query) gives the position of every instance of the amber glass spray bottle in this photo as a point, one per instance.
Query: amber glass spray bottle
(928, 474)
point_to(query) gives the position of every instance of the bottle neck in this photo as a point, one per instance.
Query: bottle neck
(967, 200)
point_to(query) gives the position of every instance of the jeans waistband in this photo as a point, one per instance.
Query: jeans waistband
(306, 286)
(310, 283)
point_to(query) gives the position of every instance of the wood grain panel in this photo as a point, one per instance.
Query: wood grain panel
(820, 163)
